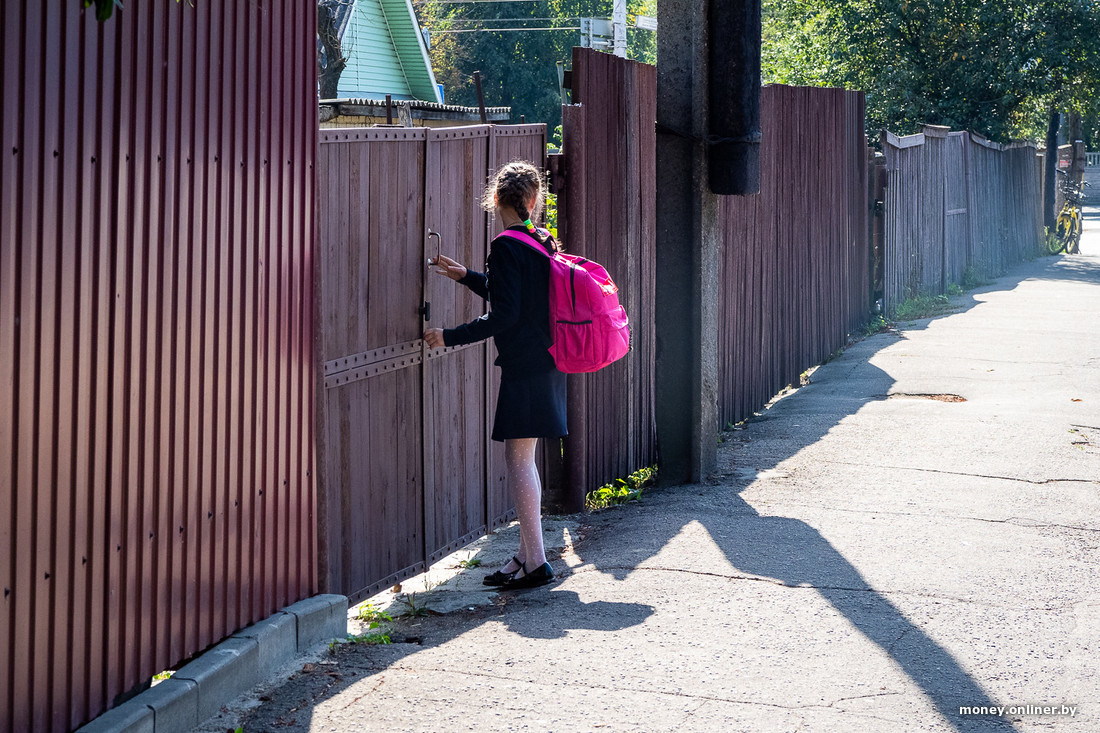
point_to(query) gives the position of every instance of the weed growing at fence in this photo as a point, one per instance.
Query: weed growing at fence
(372, 614)
(876, 324)
(377, 633)
(414, 608)
(372, 639)
(1050, 244)
(924, 306)
(621, 490)
(971, 279)
(473, 562)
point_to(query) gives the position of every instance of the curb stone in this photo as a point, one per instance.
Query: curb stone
(200, 688)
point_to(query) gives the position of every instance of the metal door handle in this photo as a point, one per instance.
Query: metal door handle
(438, 247)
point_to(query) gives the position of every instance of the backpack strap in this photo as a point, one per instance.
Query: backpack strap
(526, 239)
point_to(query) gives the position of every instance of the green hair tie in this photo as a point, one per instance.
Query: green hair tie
(530, 227)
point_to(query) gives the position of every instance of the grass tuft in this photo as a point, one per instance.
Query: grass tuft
(924, 306)
(621, 490)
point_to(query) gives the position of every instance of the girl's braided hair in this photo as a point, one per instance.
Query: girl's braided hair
(515, 184)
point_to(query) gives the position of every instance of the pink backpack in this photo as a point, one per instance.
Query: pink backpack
(588, 327)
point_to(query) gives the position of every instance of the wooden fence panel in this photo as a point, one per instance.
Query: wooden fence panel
(956, 204)
(956, 232)
(608, 210)
(455, 379)
(410, 473)
(371, 288)
(156, 460)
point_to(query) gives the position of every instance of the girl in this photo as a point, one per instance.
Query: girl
(531, 401)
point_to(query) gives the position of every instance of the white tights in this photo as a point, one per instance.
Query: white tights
(526, 490)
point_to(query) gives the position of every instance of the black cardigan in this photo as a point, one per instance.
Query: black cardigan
(517, 285)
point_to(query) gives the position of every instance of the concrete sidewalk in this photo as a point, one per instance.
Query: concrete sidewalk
(914, 532)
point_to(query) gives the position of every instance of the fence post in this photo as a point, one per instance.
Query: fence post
(569, 495)
(687, 252)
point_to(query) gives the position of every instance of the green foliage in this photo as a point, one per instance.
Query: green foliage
(372, 639)
(375, 618)
(992, 67)
(413, 608)
(621, 491)
(876, 324)
(971, 279)
(554, 145)
(103, 8)
(473, 562)
(518, 68)
(372, 614)
(1052, 243)
(924, 306)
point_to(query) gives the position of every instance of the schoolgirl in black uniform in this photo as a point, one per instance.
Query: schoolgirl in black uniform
(531, 400)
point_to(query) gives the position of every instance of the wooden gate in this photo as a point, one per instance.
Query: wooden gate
(409, 473)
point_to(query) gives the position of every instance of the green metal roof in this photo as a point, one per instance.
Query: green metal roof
(386, 53)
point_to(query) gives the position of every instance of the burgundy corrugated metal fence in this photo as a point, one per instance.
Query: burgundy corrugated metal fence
(796, 265)
(157, 209)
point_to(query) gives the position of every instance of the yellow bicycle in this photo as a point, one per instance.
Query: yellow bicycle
(1067, 228)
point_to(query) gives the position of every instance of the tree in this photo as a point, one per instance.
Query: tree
(518, 68)
(990, 66)
(332, 62)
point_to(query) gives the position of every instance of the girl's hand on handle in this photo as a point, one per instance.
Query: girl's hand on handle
(434, 337)
(444, 265)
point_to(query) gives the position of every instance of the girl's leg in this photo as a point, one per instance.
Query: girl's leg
(526, 489)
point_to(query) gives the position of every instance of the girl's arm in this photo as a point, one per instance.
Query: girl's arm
(476, 282)
(503, 282)
(447, 267)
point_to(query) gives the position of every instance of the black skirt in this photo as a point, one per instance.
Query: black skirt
(530, 405)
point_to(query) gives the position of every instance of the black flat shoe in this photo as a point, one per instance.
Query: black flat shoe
(541, 575)
(500, 578)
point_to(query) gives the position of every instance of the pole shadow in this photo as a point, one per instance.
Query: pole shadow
(793, 553)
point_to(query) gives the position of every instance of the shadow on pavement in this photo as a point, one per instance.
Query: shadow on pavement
(1073, 268)
(565, 611)
(783, 549)
(795, 554)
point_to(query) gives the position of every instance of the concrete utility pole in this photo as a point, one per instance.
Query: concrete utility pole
(697, 92)
(618, 24)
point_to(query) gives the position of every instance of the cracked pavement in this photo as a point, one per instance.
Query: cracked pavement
(858, 563)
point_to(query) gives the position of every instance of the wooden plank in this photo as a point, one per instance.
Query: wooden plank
(907, 141)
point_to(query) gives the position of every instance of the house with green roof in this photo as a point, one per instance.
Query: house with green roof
(386, 56)
(385, 51)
